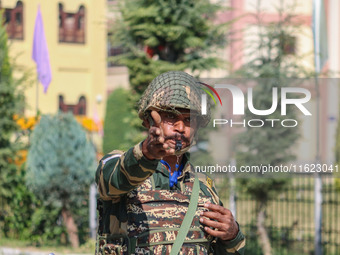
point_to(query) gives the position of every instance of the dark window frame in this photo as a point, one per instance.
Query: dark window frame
(72, 26)
(14, 21)
(76, 109)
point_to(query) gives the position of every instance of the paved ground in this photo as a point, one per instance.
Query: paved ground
(13, 251)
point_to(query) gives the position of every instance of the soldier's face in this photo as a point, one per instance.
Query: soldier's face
(178, 127)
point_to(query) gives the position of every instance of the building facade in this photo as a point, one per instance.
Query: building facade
(76, 37)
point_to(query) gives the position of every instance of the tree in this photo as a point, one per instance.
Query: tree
(159, 36)
(267, 145)
(11, 103)
(60, 167)
(116, 124)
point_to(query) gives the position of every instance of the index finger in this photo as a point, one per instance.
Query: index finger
(217, 208)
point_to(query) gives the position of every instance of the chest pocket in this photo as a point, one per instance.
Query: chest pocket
(155, 217)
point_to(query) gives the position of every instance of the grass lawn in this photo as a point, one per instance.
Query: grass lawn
(87, 248)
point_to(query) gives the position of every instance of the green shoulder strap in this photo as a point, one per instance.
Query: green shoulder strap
(183, 231)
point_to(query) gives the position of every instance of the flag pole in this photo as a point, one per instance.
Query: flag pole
(37, 97)
(41, 57)
(318, 21)
(317, 177)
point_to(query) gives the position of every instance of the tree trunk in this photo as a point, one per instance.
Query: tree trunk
(262, 231)
(71, 227)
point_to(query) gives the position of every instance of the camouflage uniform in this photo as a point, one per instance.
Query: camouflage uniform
(138, 211)
(141, 213)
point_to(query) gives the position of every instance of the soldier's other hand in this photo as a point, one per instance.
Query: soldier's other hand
(154, 147)
(219, 222)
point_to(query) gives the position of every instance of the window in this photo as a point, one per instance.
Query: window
(13, 19)
(76, 109)
(288, 44)
(72, 25)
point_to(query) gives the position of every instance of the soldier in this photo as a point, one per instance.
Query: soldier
(151, 200)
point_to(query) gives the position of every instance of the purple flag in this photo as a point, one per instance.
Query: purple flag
(40, 52)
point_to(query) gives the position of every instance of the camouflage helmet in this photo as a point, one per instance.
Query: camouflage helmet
(171, 91)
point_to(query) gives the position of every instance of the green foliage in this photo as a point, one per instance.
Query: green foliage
(283, 247)
(160, 36)
(11, 102)
(36, 221)
(267, 145)
(46, 227)
(60, 162)
(269, 52)
(116, 124)
(22, 206)
(60, 169)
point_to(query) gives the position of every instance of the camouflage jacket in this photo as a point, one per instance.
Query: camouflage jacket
(140, 214)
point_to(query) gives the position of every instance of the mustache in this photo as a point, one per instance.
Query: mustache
(177, 137)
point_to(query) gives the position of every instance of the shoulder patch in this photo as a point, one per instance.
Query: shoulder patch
(209, 182)
(203, 177)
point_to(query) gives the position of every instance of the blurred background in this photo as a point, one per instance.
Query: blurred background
(72, 72)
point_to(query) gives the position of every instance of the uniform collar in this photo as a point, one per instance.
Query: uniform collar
(186, 166)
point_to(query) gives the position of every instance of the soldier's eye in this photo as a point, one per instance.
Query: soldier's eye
(170, 116)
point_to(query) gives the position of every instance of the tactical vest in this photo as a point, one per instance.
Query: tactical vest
(153, 219)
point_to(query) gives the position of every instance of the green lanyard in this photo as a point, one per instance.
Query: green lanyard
(183, 231)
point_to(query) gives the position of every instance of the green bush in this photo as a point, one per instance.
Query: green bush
(60, 168)
(116, 126)
(11, 102)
